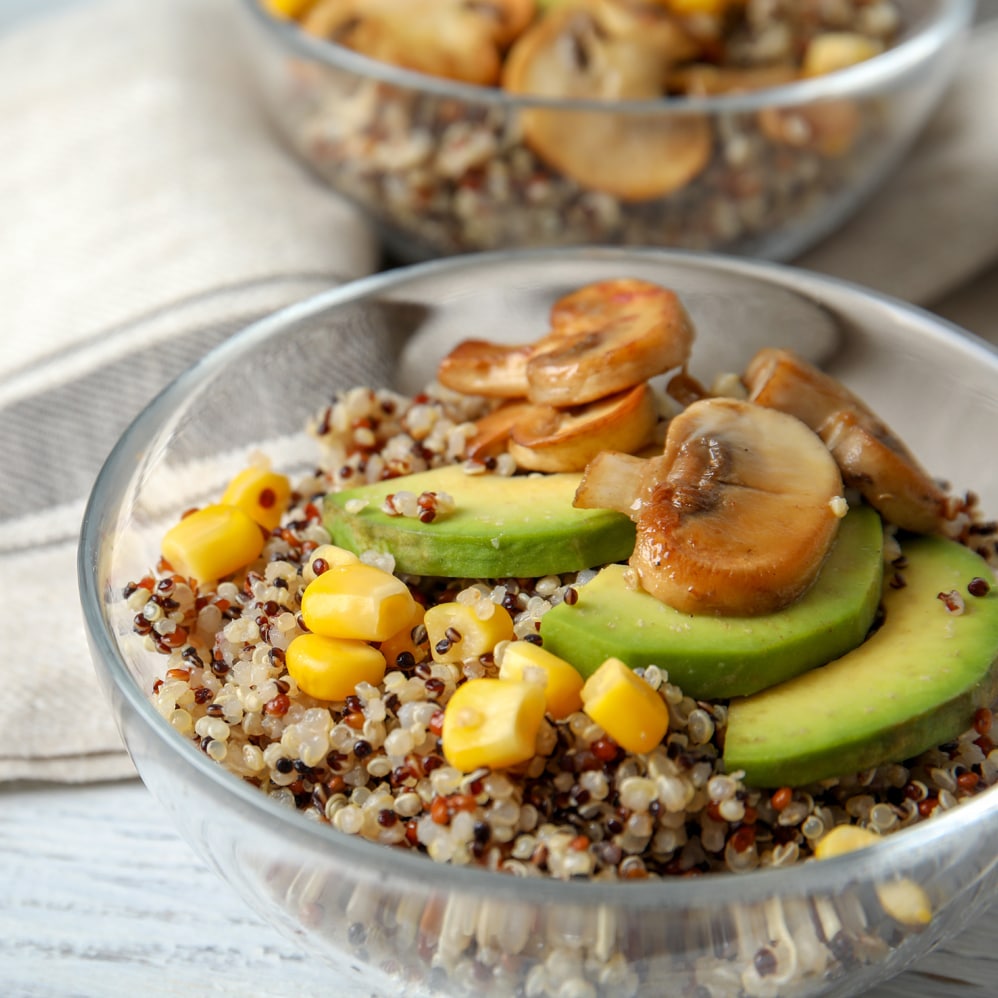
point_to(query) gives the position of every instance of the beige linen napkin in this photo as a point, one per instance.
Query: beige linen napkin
(147, 213)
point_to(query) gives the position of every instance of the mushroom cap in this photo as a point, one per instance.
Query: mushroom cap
(606, 51)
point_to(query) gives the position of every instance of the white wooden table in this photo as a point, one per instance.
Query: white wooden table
(99, 898)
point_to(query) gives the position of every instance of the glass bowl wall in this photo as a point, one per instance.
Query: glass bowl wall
(393, 922)
(445, 168)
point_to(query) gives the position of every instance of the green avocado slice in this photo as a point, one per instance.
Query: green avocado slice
(522, 526)
(915, 683)
(713, 657)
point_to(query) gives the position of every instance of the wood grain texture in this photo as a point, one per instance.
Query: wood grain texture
(99, 898)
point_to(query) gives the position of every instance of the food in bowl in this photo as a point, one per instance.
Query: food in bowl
(619, 666)
(701, 125)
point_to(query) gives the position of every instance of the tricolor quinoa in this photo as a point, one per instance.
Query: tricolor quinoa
(372, 764)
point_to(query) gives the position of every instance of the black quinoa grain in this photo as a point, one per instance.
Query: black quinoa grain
(284, 765)
(362, 748)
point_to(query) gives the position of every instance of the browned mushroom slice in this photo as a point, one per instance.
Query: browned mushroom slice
(612, 480)
(604, 51)
(492, 431)
(872, 458)
(510, 18)
(706, 80)
(447, 38)
(879, 466)
(736, 516)
(478, 367)
(829, 128)
(548, 439)
(607, 337)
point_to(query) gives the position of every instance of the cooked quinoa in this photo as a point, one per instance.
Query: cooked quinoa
(372, 765)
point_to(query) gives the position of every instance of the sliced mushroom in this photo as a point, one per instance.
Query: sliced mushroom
(879, 466)
(607, 337)
(872, 458)
(603, 50)
(706, 80)
(612, 480)
(738, 513)
(548, 439)
(510, 18)
(455, 39)
(478, 367)
(829, 128)
(493, 431)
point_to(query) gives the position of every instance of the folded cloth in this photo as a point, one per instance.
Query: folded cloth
(146, 216)
(102, 306)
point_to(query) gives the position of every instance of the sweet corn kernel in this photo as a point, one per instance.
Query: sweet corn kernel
(904, 900)
(261, 493)
(492, 722)
(625, 707)
(835, 50)
(356, 601)
(288, 8)
(526, 662)
(402, 640)
(842, 839)
(687, 7)
(331, 668)
(456, 631)
(213, 542)
(333, 556)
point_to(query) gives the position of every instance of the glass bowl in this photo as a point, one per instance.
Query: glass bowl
(394, 922)
(443, 167)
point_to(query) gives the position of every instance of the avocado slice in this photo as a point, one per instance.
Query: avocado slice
(717, 657)
(523, 526)
(915, 683)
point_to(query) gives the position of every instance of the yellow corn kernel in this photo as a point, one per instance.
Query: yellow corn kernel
(288, 8)
(330, 668)
(842, 839)
(457, 631)
(526, 662)
(492, 722)
(401, 641)
(904, 900)
(262, 493)
(356, 601)
(333, 556)
(834, 50)
(688, 7)
(213, 542)
(625, 707)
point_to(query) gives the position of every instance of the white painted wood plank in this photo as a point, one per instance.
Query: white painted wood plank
(99, 898)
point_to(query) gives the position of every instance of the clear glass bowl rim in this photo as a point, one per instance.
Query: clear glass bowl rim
(897, 852)
(945, 22)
